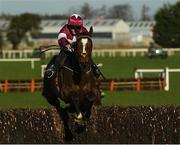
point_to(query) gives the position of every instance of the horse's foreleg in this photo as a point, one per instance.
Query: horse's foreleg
(75, 102)
(87, 105)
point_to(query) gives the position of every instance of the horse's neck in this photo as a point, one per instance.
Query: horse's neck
(86, 68)
(86, 74)
(72, 63)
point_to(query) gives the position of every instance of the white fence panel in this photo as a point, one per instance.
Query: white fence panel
(96, 52)
(139, 74)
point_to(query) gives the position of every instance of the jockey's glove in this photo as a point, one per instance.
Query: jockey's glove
(67, 49)
(73, 44)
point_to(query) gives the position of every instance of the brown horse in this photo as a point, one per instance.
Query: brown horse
(75, 82)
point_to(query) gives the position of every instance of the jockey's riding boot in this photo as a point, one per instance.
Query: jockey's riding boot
(59, 62)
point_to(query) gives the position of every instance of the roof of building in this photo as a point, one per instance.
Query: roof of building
(100, 25)
(59, 23)
(141, 24)
(141, 27)
(88, 22)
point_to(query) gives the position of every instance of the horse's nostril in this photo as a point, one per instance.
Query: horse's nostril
(83, 54)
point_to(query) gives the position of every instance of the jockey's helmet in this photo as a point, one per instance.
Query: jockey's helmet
(75, 20)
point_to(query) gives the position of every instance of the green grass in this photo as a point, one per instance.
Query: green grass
(22, 100)
(124, 98)
(113, 67)
(123, 67)
(19, 70)
(129, 98)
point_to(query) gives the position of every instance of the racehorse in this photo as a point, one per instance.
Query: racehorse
(75, 82)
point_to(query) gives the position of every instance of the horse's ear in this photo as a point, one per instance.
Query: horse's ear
(91, 30)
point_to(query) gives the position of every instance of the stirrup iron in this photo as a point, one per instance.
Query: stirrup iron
(52, 72)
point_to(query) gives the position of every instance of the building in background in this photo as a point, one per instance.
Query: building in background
(141, 32)
(106, 31)
(3, 27)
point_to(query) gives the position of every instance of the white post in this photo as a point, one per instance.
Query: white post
(136, 75)
(32, 64)
(42, 70)
(20, 54)
(166, 88)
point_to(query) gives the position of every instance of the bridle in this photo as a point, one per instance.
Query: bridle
(85, 66)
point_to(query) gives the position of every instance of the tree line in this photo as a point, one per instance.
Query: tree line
(167, 29)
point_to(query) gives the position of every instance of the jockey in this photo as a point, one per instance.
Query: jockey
(66, 38)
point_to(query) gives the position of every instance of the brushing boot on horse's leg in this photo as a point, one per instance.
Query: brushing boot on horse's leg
(59, 62)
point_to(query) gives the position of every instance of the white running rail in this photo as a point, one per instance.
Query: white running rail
(96, 52)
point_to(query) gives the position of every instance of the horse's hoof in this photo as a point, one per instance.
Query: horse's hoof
(79, 116)
(79, 119)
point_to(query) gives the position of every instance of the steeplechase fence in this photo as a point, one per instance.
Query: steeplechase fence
(107, 125)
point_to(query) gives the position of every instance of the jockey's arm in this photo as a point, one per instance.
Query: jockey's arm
(63, 43)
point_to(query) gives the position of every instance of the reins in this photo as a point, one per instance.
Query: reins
(70, 69)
